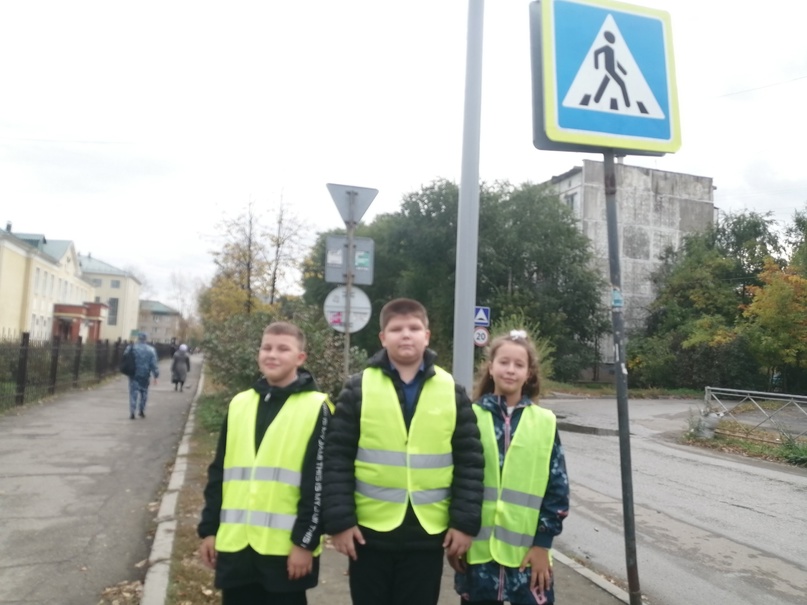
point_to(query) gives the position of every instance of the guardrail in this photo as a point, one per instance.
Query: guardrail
(787, 414)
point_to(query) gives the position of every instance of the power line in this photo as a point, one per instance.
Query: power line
(772, 84)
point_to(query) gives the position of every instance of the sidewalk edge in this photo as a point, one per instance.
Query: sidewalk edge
(592, 577)
(155, 585)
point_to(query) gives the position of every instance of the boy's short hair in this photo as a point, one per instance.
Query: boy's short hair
(403, 306)
(286, 328)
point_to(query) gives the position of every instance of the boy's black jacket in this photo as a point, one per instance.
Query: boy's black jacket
(247, 566)
(341, 445)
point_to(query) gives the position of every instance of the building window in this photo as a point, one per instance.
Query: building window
(112, 319)
(36, 281)
(114, 283)
(97, 299)
(97, 282)
(155, 319)
(570, 200)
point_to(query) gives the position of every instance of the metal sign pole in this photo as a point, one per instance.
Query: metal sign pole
(468, 210)
(351, 227)
(621, 370)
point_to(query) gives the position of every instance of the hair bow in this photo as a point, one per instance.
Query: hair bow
(516, 334)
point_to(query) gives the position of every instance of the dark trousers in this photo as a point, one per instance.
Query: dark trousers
(380, 577)
(255, 594)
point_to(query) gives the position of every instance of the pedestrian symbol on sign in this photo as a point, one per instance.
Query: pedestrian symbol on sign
(609, 67)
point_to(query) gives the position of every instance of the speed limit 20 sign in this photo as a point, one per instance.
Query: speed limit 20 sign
(481, 336)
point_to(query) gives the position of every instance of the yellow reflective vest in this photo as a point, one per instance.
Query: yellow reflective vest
(393, 467)
(513, 497)
(261, 490)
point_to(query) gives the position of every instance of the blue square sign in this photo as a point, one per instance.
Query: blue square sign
(482, 316)
(608, 75)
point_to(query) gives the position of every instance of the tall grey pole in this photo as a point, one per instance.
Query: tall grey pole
(351, 227)
(468, 211)
(621, 370)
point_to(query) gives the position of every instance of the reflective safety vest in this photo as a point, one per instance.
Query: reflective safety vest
(513, 496)
(393, 468)
(261, 491)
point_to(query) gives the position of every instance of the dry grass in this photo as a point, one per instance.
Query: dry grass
(190, 582)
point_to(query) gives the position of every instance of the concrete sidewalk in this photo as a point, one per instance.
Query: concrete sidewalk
(78, 483)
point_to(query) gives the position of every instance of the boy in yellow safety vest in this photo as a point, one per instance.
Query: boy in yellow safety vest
(403, 467)
(261, 524)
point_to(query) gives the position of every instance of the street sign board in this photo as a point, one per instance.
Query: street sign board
(336, 313)
(352, 202)
(481, 316)
(481, 336)
(607, 77)
(336, 254)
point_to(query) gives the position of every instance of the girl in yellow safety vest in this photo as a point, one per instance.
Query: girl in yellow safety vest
(526, 486)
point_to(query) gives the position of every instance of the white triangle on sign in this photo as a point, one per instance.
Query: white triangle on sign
(609, 79)
(343, 195)
(481, 317)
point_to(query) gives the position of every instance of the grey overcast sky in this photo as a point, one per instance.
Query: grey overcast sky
(131, 128)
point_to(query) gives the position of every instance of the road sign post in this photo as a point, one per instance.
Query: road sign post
(604, 80)
(352, 202)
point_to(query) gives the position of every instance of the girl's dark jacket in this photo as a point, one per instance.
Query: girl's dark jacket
(247, 566)
(339, 508)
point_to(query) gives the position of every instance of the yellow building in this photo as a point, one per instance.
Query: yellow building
(36, 274)
(119, 290)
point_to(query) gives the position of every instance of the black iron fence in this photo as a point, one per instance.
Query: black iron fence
(32, 370)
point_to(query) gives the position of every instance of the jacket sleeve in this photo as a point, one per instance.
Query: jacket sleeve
(467, 489)
(555, 505)
(211, 513)
(341, 445)
(308, 526)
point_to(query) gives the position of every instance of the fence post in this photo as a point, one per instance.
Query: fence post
(77, 362)
(22, 369)
(99, 366)
(54, 365)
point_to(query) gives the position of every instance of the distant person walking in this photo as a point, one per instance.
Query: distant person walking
(180, 366)
(145, 365)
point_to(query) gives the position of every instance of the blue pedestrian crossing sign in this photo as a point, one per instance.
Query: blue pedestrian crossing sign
(482, 316)
(608, 76)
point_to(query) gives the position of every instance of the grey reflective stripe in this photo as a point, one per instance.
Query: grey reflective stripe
(388, 457)
(272, 520)
(484, 534)
(430, 496)
(234, 515)
(237, 473)
(513, 538)
(491, 494)
(512, 496)
(281, 475)
(258, 519)
(387, 494)
(430, 460)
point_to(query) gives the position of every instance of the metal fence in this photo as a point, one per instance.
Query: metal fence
(32, 370)
(759, 411)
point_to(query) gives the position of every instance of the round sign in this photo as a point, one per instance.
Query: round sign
(481, 336)
(360, 309)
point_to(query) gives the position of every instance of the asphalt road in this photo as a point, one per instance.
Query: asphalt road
(712, 528)
(75, 488)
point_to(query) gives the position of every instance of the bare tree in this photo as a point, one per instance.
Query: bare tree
(286, 247)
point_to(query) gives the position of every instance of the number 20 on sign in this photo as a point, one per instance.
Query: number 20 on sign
(481, 336)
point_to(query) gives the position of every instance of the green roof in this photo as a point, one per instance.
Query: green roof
(155, 306)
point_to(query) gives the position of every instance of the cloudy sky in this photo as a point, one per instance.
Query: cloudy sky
(132, 128)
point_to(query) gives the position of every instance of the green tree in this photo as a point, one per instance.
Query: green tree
(532, 257)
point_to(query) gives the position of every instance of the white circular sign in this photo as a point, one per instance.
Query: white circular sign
(481, 336)
(360, 309)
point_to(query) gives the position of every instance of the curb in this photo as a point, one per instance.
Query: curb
(592, 577)
(155, 585)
